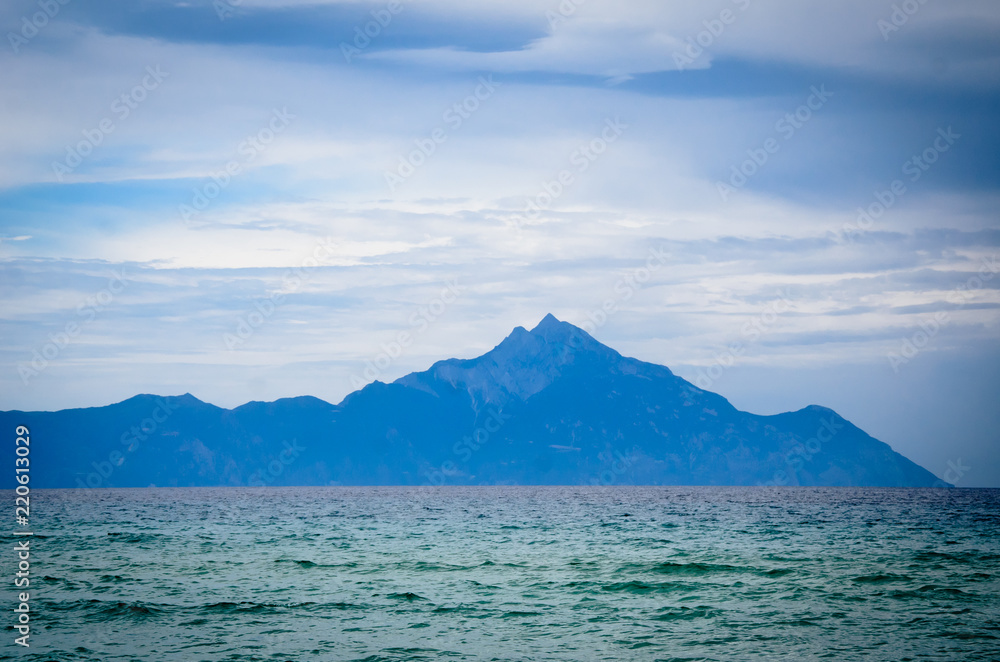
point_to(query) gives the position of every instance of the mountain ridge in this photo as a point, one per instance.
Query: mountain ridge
(547, 406)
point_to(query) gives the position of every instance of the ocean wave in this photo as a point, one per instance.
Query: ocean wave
(639, 588)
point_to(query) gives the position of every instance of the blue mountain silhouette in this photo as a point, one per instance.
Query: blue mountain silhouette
(546, 406)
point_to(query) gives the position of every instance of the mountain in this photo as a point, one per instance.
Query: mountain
(546, 406)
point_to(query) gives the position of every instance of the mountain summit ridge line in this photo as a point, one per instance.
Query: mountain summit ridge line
(547, 406)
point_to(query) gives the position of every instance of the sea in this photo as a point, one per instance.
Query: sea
(509, 573)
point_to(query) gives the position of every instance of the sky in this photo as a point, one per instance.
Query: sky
(787, 203)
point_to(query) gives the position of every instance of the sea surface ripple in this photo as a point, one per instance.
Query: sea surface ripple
(511, 573)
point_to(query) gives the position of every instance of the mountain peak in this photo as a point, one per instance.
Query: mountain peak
(523, 364)
(567, 337)
(551, 329)
(549, 321)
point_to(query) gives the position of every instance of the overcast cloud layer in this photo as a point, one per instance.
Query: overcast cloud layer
(253, 200)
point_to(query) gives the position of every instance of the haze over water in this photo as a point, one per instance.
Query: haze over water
(515, 573)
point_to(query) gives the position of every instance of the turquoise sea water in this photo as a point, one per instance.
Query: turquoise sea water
(512, 573)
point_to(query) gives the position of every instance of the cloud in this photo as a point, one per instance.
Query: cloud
(953, 39)
(465, 213)
(582, 46)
